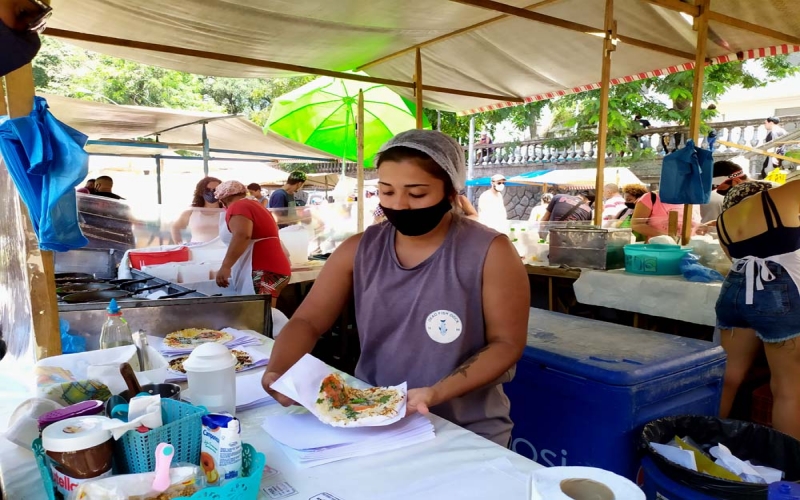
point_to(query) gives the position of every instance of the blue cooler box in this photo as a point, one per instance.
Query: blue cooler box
(584, 389)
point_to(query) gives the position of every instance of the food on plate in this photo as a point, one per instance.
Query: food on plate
(243, 361)
(339, 403)
(192, 337)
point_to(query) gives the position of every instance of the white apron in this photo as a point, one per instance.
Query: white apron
(241, 281)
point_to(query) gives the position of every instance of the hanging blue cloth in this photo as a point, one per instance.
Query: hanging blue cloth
(686, 176)
(46, 160)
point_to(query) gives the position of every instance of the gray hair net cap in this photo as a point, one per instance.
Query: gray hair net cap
(443, 149)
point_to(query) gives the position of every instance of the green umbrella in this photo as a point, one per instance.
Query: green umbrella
(322, 114)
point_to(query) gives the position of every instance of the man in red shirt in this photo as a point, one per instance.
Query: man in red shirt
(255, 261)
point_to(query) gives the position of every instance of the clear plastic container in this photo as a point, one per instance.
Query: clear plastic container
(116, 331)
(211, 373)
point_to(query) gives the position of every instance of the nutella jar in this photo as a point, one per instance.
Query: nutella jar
(80, 449)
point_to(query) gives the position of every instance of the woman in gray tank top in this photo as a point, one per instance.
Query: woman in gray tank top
(441, 301)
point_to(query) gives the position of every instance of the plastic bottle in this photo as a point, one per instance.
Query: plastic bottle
(116, 331)
(211, 373)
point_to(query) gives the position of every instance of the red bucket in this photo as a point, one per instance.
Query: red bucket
(141, 259)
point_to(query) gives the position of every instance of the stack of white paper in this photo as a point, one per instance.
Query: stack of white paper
(249, 391)
(240, 339)
(308, 442)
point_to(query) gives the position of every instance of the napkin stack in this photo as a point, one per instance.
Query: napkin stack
(249, 391)
(240, 339)
(308, 442)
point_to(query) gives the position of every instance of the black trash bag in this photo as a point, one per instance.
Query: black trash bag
(747, 441)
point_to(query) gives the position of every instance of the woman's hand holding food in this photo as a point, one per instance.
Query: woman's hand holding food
(420, 400)
(269, 379)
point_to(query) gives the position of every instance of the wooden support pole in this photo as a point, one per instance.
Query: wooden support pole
(40, 265)
(418, 87)
(701, 26)
(605, 86)
(360, 155)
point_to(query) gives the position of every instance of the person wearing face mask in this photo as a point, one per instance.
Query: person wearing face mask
(630, 195)
(203, 218)
(442, 302)
(256, 262)
(21, 21)
(492, 206)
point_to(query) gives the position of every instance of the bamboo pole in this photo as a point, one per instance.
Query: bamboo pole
(605, 82)
(360, 168)
(418, 87)
(40, 265)
(701, 26)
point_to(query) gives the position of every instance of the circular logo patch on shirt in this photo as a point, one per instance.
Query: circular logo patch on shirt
(443, 326)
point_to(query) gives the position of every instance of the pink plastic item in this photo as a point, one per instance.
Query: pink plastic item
(164, 454)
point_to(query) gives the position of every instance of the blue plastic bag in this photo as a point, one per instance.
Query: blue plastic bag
(70, 344)
(46, 160)
(692, 270)
(686, 176)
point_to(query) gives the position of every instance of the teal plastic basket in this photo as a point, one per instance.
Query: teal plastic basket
(135, 452)
(243, 488)
(654, 259)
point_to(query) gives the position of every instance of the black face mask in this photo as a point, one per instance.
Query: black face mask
(723, 192)
(209, 197)
(19, 48)
(630, 205)
(418, 221)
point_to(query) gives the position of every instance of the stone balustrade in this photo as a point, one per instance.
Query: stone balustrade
(514, 158)
(566, 150)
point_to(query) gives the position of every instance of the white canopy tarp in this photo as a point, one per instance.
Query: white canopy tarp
(463, 47)
(109, 121)
(581, 178)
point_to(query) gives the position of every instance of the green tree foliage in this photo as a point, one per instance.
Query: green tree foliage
(524, 117)
(580, 113)
(69, 71)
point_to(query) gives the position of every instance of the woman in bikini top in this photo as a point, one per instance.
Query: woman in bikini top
(759, 303)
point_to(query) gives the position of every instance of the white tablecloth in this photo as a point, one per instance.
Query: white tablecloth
(362, 478)
(663, 296)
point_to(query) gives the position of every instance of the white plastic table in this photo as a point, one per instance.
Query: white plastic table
(362, 478)
(662, 296)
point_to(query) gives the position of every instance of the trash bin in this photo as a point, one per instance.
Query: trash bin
(584, 389)
(747, 441)
(657, 486)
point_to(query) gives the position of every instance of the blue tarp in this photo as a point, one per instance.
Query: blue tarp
(46, 160)
(487, 181)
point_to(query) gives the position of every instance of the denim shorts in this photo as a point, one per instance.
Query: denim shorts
(774, 313)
